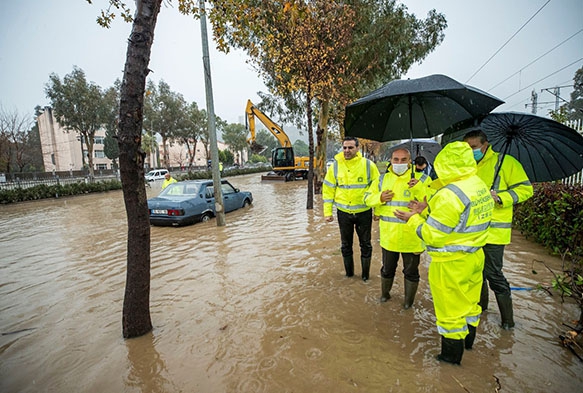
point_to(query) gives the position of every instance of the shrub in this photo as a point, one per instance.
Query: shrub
(553, 217)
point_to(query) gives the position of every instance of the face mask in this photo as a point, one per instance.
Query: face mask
(399, 169)
(478, 155)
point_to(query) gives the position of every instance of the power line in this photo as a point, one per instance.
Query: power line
(542, 79)
(495, 53)
(535, 60)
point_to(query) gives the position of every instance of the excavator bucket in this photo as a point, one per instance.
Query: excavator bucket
(256, 148)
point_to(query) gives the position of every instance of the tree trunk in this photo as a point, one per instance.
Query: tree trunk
(310, 201)
(321, 142)
(136, 306)
(89, 142)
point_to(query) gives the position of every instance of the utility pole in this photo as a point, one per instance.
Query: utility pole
(556, 91)
(219, 203)
(534, 99)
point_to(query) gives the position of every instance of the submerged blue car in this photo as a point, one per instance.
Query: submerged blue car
(187, 202)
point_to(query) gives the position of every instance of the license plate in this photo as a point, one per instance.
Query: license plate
(159, 211)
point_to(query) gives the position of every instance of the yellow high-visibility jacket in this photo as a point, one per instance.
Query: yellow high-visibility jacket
(346, 182)
(395, 234)
(512, 186)
(166, 183)
(460, 212)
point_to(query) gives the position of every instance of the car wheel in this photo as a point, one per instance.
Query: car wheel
(205, 217)
(246, 203)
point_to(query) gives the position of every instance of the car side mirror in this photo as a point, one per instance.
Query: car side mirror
(236, 190)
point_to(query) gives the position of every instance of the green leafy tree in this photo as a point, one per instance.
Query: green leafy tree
(575, 106)
(326, 53)
(257, 158)
(193, 126)
(301, 148)
(78, 106)
(165, 112)
(111, 101)
(266, 139)
(150, 146)
(235, 135)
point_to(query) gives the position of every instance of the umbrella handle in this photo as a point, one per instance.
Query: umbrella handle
(501, 160)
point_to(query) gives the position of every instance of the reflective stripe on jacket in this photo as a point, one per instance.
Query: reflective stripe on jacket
(395, 234)
(346, 182)
(512, 186)
(460, 212)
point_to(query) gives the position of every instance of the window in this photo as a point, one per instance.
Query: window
(101, 166)
(227, 189)
(99, 154)
(99, 140)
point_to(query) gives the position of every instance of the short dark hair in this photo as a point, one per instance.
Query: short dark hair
(477, 134)
(351, 138)
(420, 160)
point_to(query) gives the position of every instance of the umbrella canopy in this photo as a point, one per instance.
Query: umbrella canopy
(547, 150)
(415, 108)
(427, 148)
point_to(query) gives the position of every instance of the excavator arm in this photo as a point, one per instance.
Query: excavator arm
(285, 164)
(251, 111)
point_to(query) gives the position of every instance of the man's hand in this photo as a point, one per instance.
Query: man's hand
(403, 215)
(495, 197)
(418, 207)
(329, 218)
(412, 182)
(375, 218)
(387, 196)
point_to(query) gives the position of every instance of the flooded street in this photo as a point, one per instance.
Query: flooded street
(260, 305)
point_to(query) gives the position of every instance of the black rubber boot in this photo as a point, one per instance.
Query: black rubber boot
(349, 265)
(365, 263)
(469, 340)
(506, 312)
(451, 350)
(410, 291)
(386, 285)
(484, 296)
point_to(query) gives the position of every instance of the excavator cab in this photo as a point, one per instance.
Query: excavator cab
(282, 157)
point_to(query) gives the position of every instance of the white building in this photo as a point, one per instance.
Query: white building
(62, 149)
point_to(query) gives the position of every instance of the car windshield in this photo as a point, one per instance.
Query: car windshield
(151, 173)
(181, 189)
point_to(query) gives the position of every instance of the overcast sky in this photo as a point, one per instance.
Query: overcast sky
(40, 37)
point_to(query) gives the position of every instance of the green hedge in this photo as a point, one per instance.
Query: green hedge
(553, 217)
(43, 191)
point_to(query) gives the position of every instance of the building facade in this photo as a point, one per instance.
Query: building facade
(64, 150)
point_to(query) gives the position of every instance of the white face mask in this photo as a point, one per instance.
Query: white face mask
(399, 169)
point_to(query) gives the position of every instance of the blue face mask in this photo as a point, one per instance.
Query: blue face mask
(478, 155)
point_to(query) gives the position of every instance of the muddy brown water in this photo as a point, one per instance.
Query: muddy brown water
(260, 305)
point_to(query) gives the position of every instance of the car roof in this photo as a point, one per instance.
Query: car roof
(203, 181)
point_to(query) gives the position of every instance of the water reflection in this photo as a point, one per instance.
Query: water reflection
(147, 369)
(259, 305)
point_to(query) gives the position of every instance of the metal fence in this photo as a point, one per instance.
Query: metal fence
(10, 181)
(577, 178)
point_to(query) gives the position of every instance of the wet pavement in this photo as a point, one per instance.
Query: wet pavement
(260, 305)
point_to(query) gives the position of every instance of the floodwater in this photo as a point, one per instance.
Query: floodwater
(260, 305)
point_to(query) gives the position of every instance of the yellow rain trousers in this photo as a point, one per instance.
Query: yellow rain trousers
(455, 287)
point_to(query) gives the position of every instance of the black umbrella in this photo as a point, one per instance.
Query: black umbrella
(415, 108)
(427, 148)
(547, 150)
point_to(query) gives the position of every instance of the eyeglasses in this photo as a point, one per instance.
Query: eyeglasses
(347, 147)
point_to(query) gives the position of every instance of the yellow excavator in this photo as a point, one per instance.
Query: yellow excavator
(286, 166)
